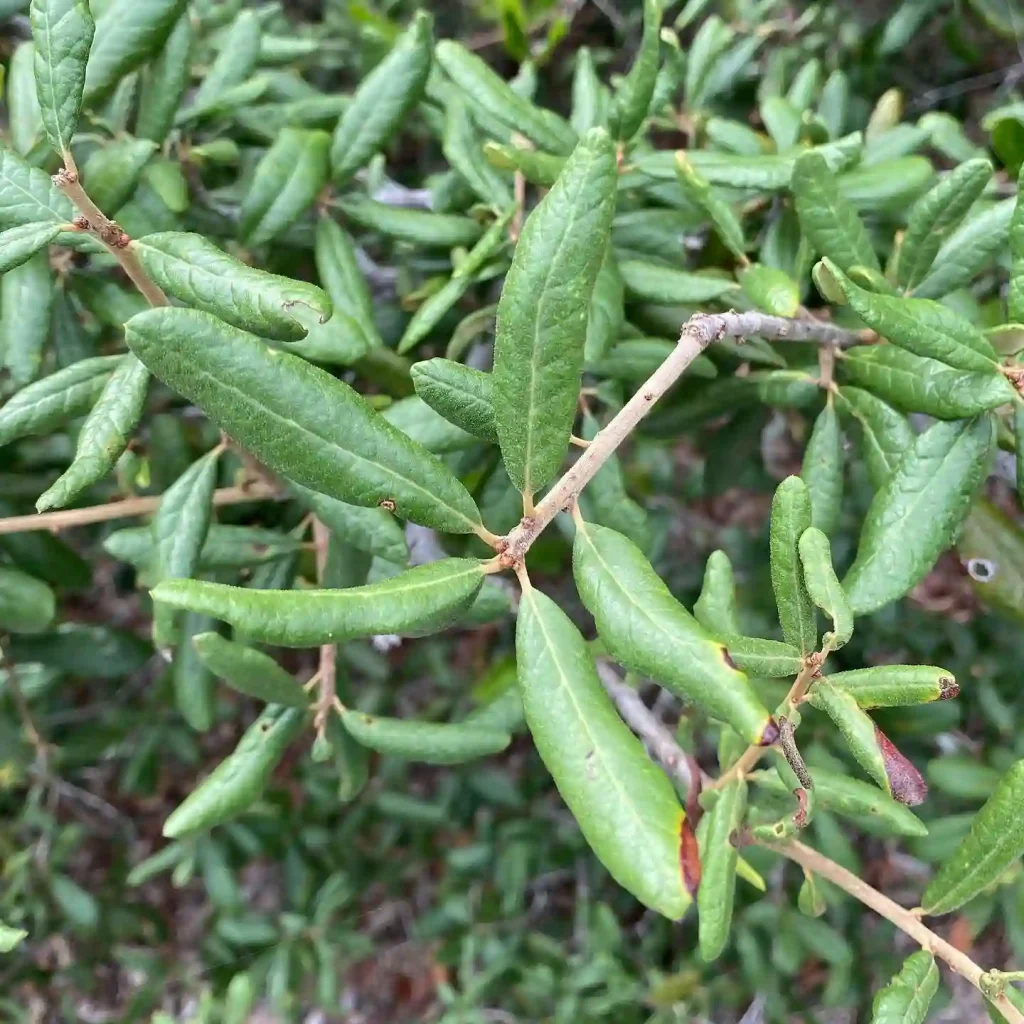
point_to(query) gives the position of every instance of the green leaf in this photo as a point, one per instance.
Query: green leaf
(239, 780)
(995, 841)
(542, 315)
(104, 435)
(607, 310)
(886, 187)
(19, 244)
(648, 631)
(537, 168)
(429, 315)
(782, 121)
(709, 42)
(113, 171)
(25, 124)
(488, 92)
(370, 529)
(918, 512)
(935, 215)
(716, 609)
(652, 282)
(906, 998)
(286, 182)
(768, 659)
(423, 599)
(770, 290)
(633, 360)
(719, 857)
(697, 191)
(1015, 294)
(383, 100)
(632, 98)
(297, 419)
(459, 393)
(921, 326)
(991, 548)
(896, 686)
(916, 384)
(421, 227)
(822, 470)
(249, 671)
(11, 938)
(824, 588)
(235, 61)
(968, 250)
(624, 804)
(589, 95)
(27, 295)
(191, 681)
(51, 402)
(418, 420)
(27, 605)
(28, 195)
(791, 515)
(127, 33)
(63, 32)
(833, 107)
(852, 798)
(194, 270)
(428, 742)
(829, 220)
(164, 83)
(885, 433)
(462, 149)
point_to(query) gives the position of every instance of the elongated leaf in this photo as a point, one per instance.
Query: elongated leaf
(647, 630)
(164, 83)
(420, 227)
(542, 315)
(589, 96)
(191, 681)
(698, 191)
(1015, 295)
(918, 512)
(19, 244)
(934, 217)
(113, 171)
(249, 671)
(886, 187)
(418, 420)
(652, 282)
(770, 290)
(995, 841)
(487, 91)
(905, 1000)
(297, 419)
(537, 168)
(430, 313)
(824, 588)
(624, 804)
(715, 609)
(885, 433)
(968, 250)
(226, 547)
(195, 271)
(917, 384)
(383, 100)
(104, 435)
(235, 61)
(127, 33)
(822, 470)
(462, 149)
(828, 220)
(607, 313)
(237, 782)
(791, 515)
(286, 182)
(25, 121)
(768, 659)
(63, 32)
(28, 196)
(459, 393)
(991, 549)
(27, 605)
(718, 868)
(422, 599)
(895, 686)
(851, 797)
(52, 401)
(857, 728)
(632, 97)
(429, 742)
(922, 326)
(27, 295)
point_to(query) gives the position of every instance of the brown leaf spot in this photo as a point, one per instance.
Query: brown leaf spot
(770, 734)
(689, 857)
(727, 658)
(948, 688)
(907, 783)
(388, 505)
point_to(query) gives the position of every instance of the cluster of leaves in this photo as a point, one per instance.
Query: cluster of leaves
(159, 241)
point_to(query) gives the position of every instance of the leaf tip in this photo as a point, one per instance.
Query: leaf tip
(948, 688)
(905, 781)
(769, 734)
(689, 857)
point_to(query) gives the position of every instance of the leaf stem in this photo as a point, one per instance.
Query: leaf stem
(126, 509)
(93, 220)
(700, 331)
(904, 919)
(327, 673)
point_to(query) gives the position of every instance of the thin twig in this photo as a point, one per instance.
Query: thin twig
(698, 333)
(327, 673)
(904, 919)
(126, 509)
(657, 737)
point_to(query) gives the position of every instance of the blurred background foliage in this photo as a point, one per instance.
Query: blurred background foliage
(467, 896)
